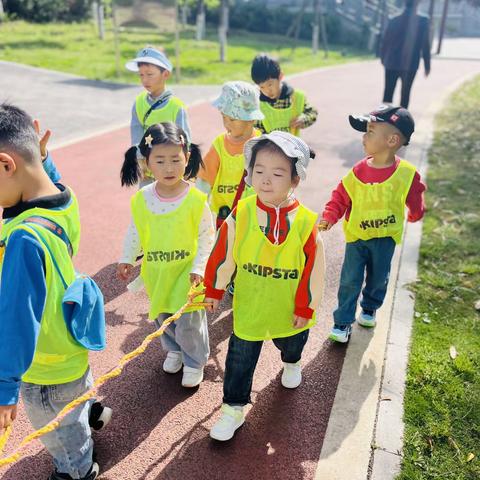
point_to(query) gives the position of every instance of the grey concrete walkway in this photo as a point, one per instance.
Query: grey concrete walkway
(74, 107)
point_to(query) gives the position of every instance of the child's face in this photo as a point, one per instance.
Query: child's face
(167, 162)
(152, 78)
(237, 128)
(272, 87)
(379, 138)
(272, 176)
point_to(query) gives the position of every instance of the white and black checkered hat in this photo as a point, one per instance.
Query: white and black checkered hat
(290, 145)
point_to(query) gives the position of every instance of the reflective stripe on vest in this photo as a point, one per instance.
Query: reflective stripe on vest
(168, 113)
(228, 177)
(280, 118)
(378, 209)
(169, 242)
(267, 275)
(58, 357)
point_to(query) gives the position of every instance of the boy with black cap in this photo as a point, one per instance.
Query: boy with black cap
(373, 196)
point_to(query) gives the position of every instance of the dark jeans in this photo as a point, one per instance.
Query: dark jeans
(373, 257)
(391, 78)
(242, 358)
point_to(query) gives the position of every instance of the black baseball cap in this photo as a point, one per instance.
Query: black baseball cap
(399, 117)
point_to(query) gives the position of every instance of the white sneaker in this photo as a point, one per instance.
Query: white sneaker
(292, 375)
(173, 363)
(225, 427)
(192, 377)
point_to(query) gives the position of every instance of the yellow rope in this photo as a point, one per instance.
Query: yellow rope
(52, 425)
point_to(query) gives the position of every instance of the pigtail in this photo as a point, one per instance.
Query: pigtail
(194, 162)
(131, 171)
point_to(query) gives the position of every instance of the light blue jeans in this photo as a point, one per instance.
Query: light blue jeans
(71, 444)
(189, 335)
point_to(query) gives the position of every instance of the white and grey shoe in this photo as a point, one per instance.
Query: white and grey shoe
(292, 375)
(230, 420)
(173, 363)
(192, 377)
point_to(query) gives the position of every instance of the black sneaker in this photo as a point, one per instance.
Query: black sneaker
(91, 475)
(100, 416)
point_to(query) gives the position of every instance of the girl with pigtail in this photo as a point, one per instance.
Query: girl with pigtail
(172, 225)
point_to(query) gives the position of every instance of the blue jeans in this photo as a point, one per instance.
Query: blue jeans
(242, 358)
(71, 444)
(368, 260)
(189, 335)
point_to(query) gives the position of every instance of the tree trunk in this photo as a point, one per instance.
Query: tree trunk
(200, 35)
(223, 30)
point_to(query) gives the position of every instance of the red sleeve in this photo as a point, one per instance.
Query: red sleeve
(303, 296)
(415, 199)
(337, 205)
(216, 260)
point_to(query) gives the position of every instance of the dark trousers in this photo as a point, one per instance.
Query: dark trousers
(242, 358)
(391, 78)
(373, 258)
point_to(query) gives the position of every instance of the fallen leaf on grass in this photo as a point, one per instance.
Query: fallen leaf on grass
(418, 314)
(430, 444)
(470, 457)
(453, 444)
(477, 305)
(426, 319)
(453, 352)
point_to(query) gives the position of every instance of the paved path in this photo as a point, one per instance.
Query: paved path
(160, 431)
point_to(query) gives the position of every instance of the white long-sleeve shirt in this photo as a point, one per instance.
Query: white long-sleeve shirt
(160, 205)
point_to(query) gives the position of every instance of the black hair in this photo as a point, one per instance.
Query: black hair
(264, 68)
(139, 64)
(17, 133)
(167, 132)
(267, 144)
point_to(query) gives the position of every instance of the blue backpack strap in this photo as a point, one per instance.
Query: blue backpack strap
(45, 244)
(52, 227)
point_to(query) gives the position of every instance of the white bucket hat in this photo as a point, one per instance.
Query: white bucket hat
(239, 100)
(290, 145)
(152, 56)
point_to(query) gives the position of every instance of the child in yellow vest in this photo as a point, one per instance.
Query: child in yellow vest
(284, 107)
(40, 358)
(223, 171)
(156, 104)
(270, 239)
(172, 224)
(373, 197)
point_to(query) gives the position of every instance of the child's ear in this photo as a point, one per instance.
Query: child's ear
(166, 74)
(295, 181)
(7, 165)
(280, 78)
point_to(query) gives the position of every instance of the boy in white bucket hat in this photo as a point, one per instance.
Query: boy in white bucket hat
(223, 171)
(271, 241)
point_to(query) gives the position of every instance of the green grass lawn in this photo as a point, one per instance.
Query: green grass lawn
(76, 48)
(442, 404)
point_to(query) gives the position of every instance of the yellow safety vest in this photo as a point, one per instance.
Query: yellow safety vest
(169, 243)
(228, 177)
(267, 275)
(378, 209)
(168, 113)
(280, 118)
(58, 357)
